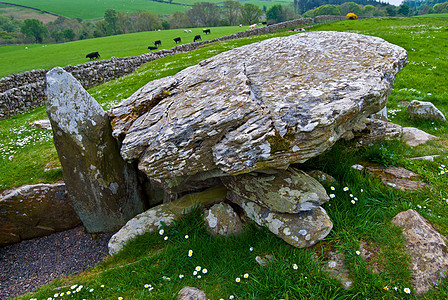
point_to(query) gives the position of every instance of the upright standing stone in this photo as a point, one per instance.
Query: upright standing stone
(104, 189)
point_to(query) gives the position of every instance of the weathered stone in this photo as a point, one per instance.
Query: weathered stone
(221, 219)
(427, 157)
(102, 186)
(424, 110)
(378, 130)
(427, 248)
(190, 184)
(288, 191)
(265, 260)
(396, 177)
(32, 211)
(191, 293)
(265, 105)
(324, 178)
(152, 219)
(414, 137)
(301, 230)
(42, 124)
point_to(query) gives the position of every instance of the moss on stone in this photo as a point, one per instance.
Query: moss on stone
(279, 143)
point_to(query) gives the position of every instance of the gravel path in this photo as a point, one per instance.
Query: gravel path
(27, 265)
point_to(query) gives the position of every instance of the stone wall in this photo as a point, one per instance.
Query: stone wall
(20, 93)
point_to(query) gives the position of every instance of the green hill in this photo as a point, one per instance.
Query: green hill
(20, 58)
(86, 9)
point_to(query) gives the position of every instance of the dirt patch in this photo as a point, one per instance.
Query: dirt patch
(21, 13)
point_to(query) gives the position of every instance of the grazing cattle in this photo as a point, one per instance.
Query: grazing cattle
(189, 30)
(241, 25)
(157, 43)
(264, 23)
(186, 31)
(206, 31)
(197, 38)
(152, 48)
(93, 55)
(177, 40)
(252, 26)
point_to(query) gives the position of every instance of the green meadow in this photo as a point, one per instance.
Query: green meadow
(154, 268)
(20, 58)
(86, 9)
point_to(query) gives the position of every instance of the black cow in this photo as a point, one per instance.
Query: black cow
(177, 40)
(206, 31)
(197, 38)
(152, 48)
(93, 55)
(157, 43)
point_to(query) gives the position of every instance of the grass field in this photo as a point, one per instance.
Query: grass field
(295, 273)
(433, 16)
(17, 58)
(87, 9)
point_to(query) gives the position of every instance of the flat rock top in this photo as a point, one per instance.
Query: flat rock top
(264, 105)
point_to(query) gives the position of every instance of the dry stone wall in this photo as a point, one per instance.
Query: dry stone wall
(20, 93)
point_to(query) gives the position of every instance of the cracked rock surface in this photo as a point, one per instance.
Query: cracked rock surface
(264, 105)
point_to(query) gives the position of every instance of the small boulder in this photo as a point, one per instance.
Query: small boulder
(300, 230)
(191, 293)
(32, 211)
(221, 219)
(424, 110)
(396, 177)
(414, 137)
(285, 191)
(42, 124)
(427, 248)
(152, 219)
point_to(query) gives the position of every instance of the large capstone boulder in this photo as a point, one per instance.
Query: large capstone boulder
(427, 248)
(37, 210)
(103, 187)
(301, 230)
(285, 191)
(260, 106)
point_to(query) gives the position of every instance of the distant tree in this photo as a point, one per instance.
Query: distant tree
(403, 10)
(124, 21)
(179, 19)
(391, 11)
(368, 10)
(327, 9)
(204, 14)
(69, 34)
(34, 28)
(426, 9)
(350, 7)
(441, 8)
(250, 14)
(264, 8)
(111, 18)
(166, 25)
(232, 11)
(57, 36)
(277, 13)
(84, 35)
(147, 21)
(8, 24)
(100, 29)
